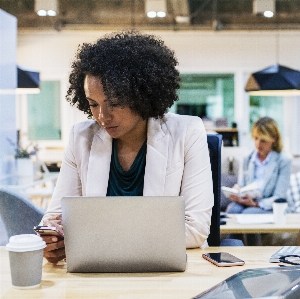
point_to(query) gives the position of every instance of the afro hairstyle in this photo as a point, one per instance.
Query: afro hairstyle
(136, 70)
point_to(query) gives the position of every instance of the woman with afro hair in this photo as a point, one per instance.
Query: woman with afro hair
(125, 82)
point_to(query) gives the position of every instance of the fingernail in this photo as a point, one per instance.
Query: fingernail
(54, 239)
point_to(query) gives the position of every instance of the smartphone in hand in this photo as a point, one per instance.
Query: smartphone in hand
(48, 230)
(223, 259)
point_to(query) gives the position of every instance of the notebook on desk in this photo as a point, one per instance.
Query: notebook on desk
(124, 234)
(254, 218)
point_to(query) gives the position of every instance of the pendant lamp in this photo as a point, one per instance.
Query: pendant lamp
(28, 81)
(276, 80)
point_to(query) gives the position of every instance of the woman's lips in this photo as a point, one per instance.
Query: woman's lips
(110, 128)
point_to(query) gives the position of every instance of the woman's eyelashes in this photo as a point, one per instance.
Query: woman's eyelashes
(93, 105)
(108, 105)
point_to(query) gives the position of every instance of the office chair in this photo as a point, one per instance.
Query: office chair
(18, 213)
(214, 142)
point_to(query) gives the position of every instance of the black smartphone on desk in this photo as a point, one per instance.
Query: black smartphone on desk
(223, 259)
(223, 215)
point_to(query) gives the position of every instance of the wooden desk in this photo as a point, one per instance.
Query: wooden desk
(199, 276)
(232, 227)
(230, 135)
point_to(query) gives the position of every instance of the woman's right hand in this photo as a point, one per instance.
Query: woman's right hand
(55, 246)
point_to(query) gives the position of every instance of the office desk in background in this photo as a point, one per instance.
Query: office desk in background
(292, 225)
(199, 276)
(230, 136)
(232, 226)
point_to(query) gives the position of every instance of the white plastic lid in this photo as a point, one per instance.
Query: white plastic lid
(25, 242)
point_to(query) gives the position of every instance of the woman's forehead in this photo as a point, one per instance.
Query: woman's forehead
(261, 136)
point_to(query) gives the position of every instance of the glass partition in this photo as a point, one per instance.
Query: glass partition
(266, 106)
(210, 96)
(44, 121)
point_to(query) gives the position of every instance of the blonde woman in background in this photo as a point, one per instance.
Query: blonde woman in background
(267, 166)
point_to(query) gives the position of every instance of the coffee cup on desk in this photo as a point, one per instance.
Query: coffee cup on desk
(26, 260)
(279, 210)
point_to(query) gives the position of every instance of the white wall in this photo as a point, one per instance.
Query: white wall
(237, 52)
(8, 83)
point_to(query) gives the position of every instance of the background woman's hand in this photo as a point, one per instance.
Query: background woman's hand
(55, 249)
(234, 197)
(245, 201)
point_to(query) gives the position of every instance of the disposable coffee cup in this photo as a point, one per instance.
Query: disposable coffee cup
(279, 211)
(26, 260)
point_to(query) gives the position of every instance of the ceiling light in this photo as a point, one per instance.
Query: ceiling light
(42, 12)
(268, 14)
(151, 14)
(46, 7)
(264, 7)
(51, 13)
(156, 8)
(161, 14)
(276, 80)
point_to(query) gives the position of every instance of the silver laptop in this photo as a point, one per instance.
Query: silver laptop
(124, 234)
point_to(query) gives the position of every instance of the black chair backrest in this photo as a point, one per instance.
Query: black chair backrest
(214, 145)
(18, 213)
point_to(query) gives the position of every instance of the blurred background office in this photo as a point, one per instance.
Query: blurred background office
(219, 44)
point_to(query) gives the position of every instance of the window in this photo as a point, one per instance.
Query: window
(207, 95)
(266, 106)
(44, 112)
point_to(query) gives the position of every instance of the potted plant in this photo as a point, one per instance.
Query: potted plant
(24, 163)
(22, 153)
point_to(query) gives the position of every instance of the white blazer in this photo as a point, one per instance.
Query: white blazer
(177, 163)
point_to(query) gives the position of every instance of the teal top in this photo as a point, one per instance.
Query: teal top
(127, 183)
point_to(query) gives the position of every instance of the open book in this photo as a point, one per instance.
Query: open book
(251, 189)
